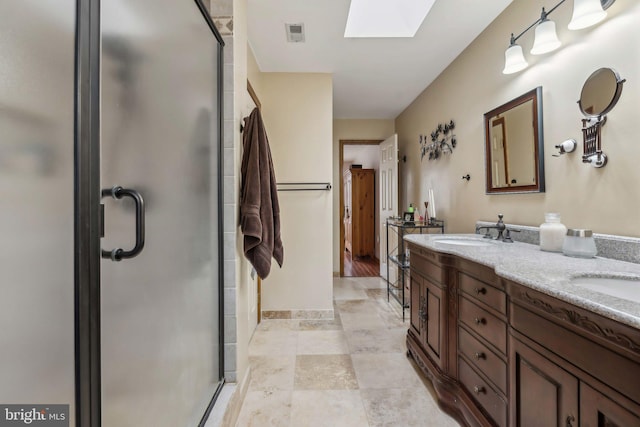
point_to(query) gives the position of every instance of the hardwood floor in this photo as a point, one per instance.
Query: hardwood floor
(360, 266)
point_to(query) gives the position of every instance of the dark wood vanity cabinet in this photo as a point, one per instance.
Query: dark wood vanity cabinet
(570, 366)
(502, 354)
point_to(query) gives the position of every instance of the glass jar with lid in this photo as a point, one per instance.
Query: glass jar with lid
(579, 243)
(552, 233)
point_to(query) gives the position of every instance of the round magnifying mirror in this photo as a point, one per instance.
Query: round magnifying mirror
(600, 92)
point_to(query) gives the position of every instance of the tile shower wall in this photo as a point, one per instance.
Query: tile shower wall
(221, 12)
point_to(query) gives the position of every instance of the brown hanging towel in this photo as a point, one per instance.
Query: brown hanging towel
(259, 208)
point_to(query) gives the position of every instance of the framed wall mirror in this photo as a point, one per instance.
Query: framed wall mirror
(514, 146)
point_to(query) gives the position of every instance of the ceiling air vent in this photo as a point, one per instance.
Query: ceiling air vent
(295, 33)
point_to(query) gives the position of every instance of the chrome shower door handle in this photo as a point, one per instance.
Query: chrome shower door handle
(117, 193)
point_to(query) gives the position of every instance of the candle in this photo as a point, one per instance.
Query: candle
(432, 204)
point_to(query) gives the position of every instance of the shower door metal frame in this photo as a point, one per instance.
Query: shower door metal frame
(220, 213)
(88, 216)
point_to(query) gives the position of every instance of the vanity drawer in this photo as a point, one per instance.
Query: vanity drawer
(431, 271)
(482, 392)
(483, 292)
(485, 324)
(485, 360)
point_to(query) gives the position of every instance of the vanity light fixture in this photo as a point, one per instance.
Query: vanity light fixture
(585, 14)
(514, 58)
(546, 39)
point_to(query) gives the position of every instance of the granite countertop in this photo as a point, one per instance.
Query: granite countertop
(547, 272)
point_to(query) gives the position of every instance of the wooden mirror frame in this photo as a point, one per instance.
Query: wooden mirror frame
(534, 95)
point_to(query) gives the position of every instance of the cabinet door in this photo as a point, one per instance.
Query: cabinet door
(597, 410)
(418, 315)
(434, 333)
(428, 317)
(542, 393)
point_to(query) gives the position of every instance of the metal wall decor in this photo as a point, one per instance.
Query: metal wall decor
(443, 141)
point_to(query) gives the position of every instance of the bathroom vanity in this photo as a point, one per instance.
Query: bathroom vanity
(513, 336)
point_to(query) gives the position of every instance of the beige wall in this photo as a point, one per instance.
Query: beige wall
(351, 129)
(604, 200)
(297, 111)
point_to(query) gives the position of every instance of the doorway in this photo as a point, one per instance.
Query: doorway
(360, 154)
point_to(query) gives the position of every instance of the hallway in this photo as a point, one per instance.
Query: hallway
(360, 266)
(348, 372)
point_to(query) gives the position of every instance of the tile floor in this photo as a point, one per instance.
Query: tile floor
(348, 372)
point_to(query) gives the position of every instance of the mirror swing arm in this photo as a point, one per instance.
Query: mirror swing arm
(592, 142)
(595, 107)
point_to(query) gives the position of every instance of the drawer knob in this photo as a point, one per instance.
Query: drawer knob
(480, 321)
(481, 291)
(479, 355)
(479, 389)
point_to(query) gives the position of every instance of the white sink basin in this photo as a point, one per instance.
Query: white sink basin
(628, 289)
(465, 242)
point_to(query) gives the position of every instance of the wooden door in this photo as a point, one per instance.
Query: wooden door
(254, 282)
(362, 207)
(542, 393)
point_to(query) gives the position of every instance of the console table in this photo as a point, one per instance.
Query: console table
(399, 255)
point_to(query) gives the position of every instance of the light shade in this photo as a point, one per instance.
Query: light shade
(586, 13)
(546, 38)
(514, 60)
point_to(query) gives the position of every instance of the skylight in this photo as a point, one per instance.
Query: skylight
(386, 18)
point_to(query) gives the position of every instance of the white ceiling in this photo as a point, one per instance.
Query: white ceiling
(372, 78)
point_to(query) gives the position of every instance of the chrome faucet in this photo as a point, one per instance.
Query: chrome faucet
(503, 233)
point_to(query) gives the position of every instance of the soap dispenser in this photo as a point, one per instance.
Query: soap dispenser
(552, 233)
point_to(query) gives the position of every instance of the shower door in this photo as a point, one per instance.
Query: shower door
(135, 103)
(159, 138)
(37, 203)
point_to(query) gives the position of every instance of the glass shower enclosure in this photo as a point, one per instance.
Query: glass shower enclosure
(110, 201)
